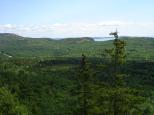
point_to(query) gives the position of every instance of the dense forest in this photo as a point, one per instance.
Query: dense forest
(138, 48)
(108, 81)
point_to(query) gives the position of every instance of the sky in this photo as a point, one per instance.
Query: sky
(77, 18)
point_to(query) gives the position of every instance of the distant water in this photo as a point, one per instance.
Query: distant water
(103, 38)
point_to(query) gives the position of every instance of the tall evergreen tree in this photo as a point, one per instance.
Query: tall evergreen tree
(85, 81)
(122, 99)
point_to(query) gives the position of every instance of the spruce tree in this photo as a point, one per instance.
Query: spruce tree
(122, 98)
(85, 81)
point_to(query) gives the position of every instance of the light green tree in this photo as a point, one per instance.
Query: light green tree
(9, 104)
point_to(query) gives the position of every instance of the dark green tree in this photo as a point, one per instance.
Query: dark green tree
(85, 78)
(122, 99)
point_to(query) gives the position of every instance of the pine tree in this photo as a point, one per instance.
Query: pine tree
(85, 81)
(122, 99)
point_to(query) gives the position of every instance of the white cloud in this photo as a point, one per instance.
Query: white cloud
(7, 26)
(81, 29)
(111, 23)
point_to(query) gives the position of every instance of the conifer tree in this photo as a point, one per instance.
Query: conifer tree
(122, 98)
(85, 81)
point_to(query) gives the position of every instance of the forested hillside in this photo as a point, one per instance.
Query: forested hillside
(17, 46)
(77, 57)
(89, 78)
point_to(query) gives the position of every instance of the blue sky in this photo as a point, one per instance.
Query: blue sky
(74, 18)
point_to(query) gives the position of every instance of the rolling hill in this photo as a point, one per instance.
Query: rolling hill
(18, 46)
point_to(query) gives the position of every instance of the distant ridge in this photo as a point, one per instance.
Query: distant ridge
(18, 46)
(12, 35)
(9, 34)
(78, 40)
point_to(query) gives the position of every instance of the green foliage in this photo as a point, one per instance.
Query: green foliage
(85, 78)
(17, 46)
(53, 89)
(9, 105)
(122, 100)
(58, 86)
